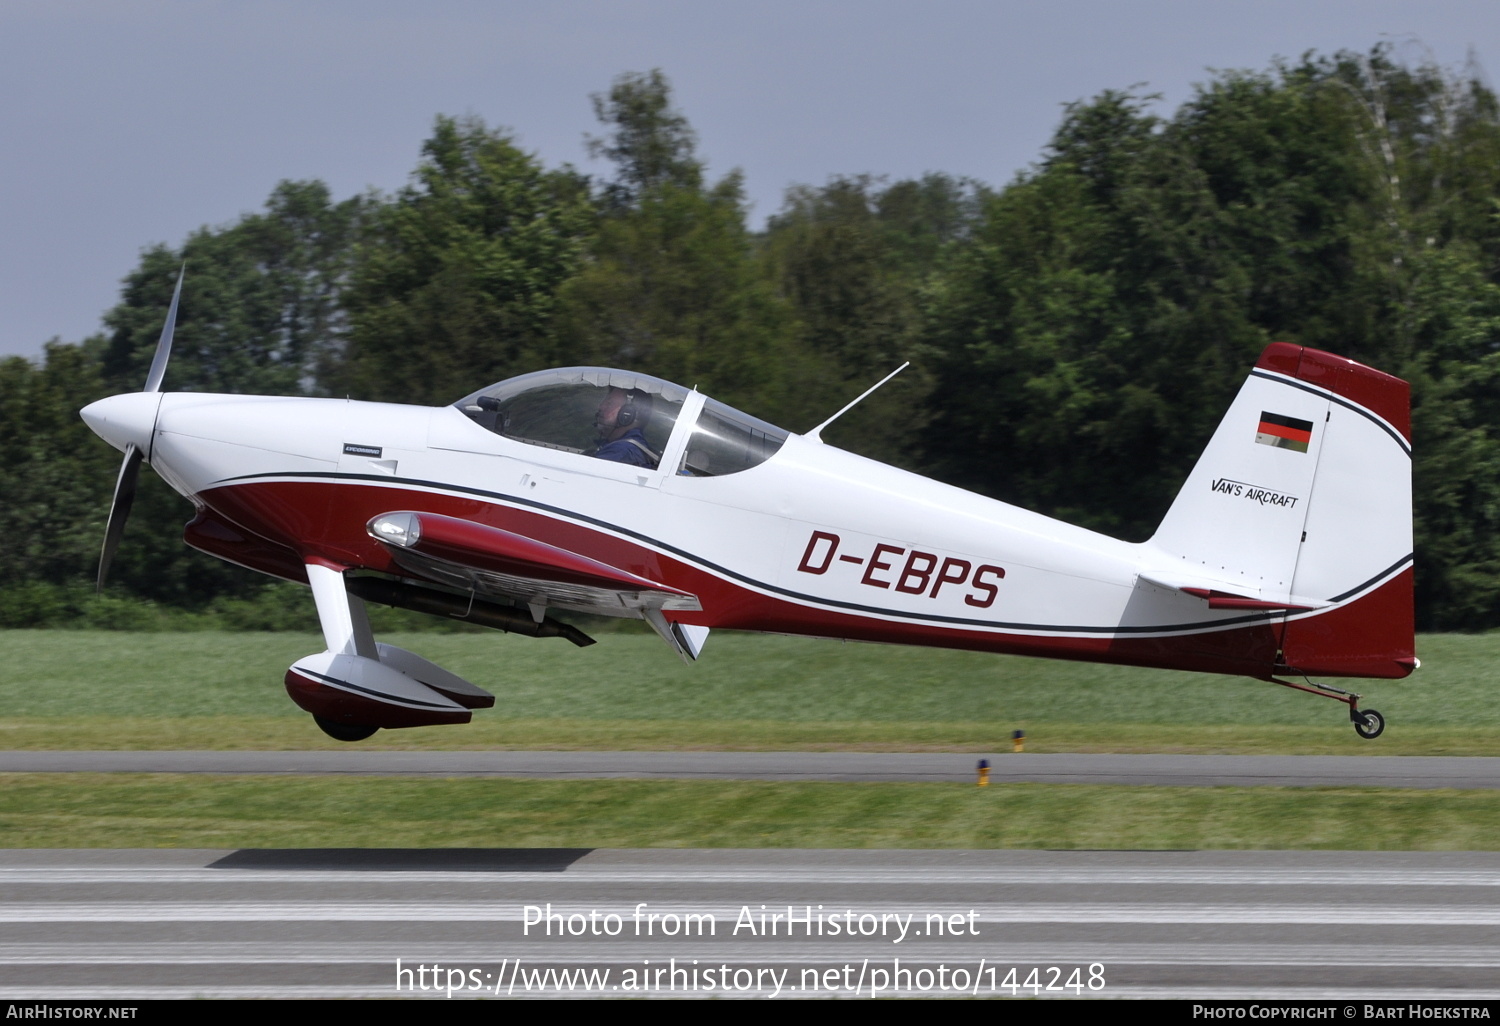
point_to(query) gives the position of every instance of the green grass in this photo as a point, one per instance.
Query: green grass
(202, 690)
(146, 811)
(102, 689)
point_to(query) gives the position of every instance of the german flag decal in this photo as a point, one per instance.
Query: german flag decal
(1283, 432)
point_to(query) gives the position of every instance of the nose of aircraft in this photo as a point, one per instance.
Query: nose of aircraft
(124, 420)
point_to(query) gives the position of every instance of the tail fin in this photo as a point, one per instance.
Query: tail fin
(1302, 501)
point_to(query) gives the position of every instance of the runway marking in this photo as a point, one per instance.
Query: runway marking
(743, 952)
(510, 911)
(1277, 925)
(1220, 876)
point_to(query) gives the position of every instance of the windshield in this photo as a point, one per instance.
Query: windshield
(726, 441)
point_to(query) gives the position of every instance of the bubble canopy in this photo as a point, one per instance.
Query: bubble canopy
(626, 417)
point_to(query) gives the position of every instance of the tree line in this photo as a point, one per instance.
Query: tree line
(1075, 334)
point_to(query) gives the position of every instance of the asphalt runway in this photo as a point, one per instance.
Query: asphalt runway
(1338, 926)
(1160, 770)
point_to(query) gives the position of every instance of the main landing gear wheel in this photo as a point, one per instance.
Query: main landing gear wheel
(1368, 724)
(355, 732)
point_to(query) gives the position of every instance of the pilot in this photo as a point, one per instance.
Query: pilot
(619, 422)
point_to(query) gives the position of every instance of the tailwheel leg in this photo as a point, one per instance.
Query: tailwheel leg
(1368, 723)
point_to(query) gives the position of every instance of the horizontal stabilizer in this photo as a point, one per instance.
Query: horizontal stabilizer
(1220, 599)
(1224, 600)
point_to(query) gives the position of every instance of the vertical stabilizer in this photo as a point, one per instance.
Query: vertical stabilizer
(1303, 500)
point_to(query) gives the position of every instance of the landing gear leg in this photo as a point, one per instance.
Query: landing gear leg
(1368, 723)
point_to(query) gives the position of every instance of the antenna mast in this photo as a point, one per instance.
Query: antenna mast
(816, 433)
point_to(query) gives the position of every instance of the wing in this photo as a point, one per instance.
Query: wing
(493, 562)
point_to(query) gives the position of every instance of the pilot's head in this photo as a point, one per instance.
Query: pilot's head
(621, 410)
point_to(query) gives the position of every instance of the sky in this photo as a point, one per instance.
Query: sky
(130, 123)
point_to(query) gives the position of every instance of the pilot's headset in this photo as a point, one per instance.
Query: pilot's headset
(498, 420)
(636, 411)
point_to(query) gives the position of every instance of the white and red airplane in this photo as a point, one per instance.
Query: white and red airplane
(1288, 552)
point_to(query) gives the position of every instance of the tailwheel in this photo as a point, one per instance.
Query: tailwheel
(353, 731)
(1368, 723)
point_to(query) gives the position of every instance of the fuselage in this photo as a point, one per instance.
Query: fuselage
(814, 540)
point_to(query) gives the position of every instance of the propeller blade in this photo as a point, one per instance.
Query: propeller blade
(164, 344)
(130, 469)
(119, 509)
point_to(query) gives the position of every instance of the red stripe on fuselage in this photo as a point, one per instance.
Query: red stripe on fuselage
(326, 520)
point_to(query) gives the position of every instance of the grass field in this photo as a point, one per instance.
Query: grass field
(147, 811)
(103, 690)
